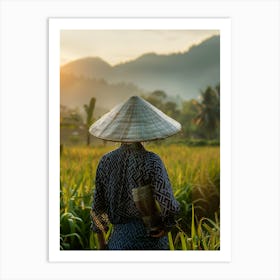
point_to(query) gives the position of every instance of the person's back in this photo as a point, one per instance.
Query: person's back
(118, 173)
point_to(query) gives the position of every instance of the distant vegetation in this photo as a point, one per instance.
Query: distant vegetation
(200, 119)
(89, 108)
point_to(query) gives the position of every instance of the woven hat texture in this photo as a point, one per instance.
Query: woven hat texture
(134, 120)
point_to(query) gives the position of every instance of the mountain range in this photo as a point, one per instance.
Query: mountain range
(181, 75)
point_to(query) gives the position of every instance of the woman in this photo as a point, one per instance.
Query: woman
(132, 188)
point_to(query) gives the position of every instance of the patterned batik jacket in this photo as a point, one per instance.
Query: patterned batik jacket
(119, 171)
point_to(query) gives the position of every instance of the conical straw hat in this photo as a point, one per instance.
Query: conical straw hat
(134, 120)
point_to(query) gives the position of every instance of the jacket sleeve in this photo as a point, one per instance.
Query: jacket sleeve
(99, 217)
(163, 193)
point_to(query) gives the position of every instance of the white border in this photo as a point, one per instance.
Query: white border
(55, 25)
(24, 150)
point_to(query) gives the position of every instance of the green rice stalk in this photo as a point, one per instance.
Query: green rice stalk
(183, 241)
(171, 244)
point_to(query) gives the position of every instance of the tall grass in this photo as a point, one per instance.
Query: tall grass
(194, 173)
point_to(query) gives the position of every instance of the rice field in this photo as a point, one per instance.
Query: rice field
(194, 173)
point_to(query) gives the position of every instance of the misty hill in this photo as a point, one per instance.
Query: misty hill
(89, 67)
(76, 91)
(183, 74)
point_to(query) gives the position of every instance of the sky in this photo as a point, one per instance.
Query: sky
(118, 46)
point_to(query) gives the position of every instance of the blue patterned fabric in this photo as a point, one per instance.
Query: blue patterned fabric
(133, 236)
(130, 166)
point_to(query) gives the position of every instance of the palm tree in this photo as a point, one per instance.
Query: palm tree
(89, 116)
(208, 116)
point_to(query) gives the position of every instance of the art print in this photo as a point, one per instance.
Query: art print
(149, 99)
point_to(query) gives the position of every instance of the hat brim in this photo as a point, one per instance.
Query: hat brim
(135, 120)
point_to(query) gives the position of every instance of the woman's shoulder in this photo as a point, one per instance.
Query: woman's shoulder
(153, 156)
(110, 155)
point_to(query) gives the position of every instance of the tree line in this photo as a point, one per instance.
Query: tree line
(200, 118)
